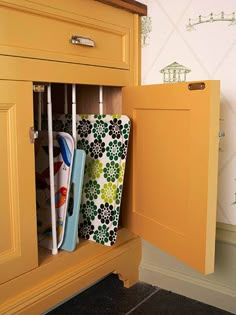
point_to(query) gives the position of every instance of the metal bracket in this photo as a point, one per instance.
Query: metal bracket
(39, 87)
(33, 135)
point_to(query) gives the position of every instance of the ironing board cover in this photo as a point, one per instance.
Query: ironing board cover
(63, 150)
(104, 138)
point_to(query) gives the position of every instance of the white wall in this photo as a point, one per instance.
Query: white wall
(210, 52)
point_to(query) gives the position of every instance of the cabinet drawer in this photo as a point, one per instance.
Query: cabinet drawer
(45, 35)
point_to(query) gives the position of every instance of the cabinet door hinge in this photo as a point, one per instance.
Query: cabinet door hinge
(38, 87)
(33, 134)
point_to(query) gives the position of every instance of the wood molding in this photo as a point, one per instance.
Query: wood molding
(189, 286)
(226, 233)
(189, 278)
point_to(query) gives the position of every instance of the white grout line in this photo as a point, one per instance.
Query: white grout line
(134, 308)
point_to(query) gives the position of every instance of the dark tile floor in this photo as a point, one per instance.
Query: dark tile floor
(109, 297)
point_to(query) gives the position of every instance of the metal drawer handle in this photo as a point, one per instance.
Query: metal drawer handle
(81, 40)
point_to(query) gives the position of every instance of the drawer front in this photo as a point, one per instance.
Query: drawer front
(45, 35)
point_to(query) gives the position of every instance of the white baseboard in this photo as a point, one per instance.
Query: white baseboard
(174, 281)
(217, 289)
(226, 233)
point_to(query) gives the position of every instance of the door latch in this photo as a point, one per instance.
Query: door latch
(196, 86)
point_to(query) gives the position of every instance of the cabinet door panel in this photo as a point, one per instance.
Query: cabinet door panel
(18, 243)
(172, 170)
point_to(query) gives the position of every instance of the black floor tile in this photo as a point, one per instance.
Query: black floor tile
(107, 297)
(167, 303)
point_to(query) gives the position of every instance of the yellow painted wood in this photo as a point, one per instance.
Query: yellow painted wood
(114, 60)
(59, 277)
(130, 5)
(71, 10)
(170, 198)
(17, 68)
(18, 243)
(50, 34)
(179, 159)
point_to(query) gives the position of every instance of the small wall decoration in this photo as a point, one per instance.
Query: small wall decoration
(221, 17)
(146, 28)
(174, 72)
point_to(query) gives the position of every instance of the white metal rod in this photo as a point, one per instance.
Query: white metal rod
(100, 99)
(65, 100)
(40, 112)
(42, 109)
(74, 135)
(51, 172)
(74, 114)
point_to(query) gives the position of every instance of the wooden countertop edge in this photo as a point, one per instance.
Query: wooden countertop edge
(130, 5)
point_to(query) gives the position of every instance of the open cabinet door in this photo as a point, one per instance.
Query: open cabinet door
(171, 194)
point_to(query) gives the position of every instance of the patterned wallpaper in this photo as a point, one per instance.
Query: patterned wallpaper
(207, 51)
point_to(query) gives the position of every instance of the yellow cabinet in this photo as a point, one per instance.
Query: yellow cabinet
(170, 186)
(18, 245)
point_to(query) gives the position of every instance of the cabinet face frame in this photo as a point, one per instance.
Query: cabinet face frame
(28, 70)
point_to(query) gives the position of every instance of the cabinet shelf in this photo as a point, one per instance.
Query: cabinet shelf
(84, 250)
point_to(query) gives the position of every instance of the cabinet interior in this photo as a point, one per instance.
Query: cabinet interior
(87, 99)
(87, 102)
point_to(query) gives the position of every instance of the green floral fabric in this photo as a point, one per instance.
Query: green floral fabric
(104, 138)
